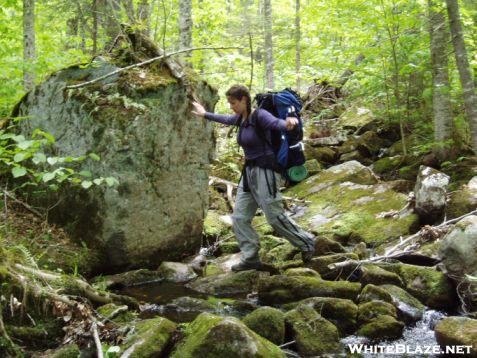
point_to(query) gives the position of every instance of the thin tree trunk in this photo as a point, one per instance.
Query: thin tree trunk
(185, 25)
(441, 105)
(128, 6)
(267, 7)
(144, 11)
(460, 52)
(94, 9)
(297, 45)
(28, 44)
(110, 23)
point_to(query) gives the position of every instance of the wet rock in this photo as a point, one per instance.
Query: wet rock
(326, 246)
(372, 292)
(268, 322)
(463, 200)
(430, 191)
(214, 226)
(452, 331)
(378, 276)
(130, 278)
(371, 310)
(139, 123)
(430, 286)
(150, 338)
(458, 249)
(283, 289)
(191, 304)
(361, 250)
(410, 309)
(302, 271)
(313, 334)
(228, 284)
(321, 263)
(217, 337)
(279, 253)
(176, 272)
(341, 312)
(382, 327)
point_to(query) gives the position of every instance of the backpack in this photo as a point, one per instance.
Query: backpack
(287, 145)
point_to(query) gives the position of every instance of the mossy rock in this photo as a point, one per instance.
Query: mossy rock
(378, 276)
(370, 310)
(217, 337)
(461, 201)
(388, 165)
(192, 304)
(217, 202)
(213, 226)
(229, 247)
(356, 117)
(280, 289)
(176, 272)
(321, 263)
(410, 309)
(150, 338)
(369, 144)
(313, 167)
(457, 331)
(42, 336)
(326, 246)
(68, 351)
(129, 278)
(430, 286)
(313, 334)
(321, 154)
(349, 211)
(357, 156)
(302, 271)
(279, 253)
(228, 284)
(382, 327)
(372, 292)
(268, 322)
(108, 309)
(341, 312)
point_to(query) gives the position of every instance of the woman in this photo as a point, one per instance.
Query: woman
(260, 180)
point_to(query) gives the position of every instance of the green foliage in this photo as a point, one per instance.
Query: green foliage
(26, 158)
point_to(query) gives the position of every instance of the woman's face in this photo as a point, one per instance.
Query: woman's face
(238, 106)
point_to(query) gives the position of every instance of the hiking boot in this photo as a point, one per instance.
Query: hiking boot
(244, 266)
(306, 256)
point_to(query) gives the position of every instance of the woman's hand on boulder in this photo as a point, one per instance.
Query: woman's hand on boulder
(291, 123)
(199, 109)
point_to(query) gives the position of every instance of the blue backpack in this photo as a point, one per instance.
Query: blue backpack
(287, 145)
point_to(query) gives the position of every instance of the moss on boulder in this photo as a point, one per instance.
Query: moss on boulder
(176, 272)
(313, 334)
(378, 276)
(370, 310)
(326, 246)
(107, 310)
(410, 309)
(382, 327)
(372, 292)
(339, 311)
(321, 263)
(462, 331)
(268, 322)
(283, 289)
(302, 271)
(150, 338)
(217, 337)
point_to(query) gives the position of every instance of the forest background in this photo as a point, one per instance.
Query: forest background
(386, 43)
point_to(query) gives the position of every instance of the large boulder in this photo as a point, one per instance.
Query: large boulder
(410, 309)
(212, 336)
(430, 191)
(458, 249)
(458, 331)
(462, 200)
(140, 124)
(268, 322)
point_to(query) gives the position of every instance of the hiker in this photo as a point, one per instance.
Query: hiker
(261, 178)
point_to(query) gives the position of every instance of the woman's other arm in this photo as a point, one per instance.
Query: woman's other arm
(266, 120)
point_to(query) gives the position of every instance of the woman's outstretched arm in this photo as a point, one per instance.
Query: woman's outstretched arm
(200, 111)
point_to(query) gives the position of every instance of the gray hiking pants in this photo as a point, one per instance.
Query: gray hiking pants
(260, 183)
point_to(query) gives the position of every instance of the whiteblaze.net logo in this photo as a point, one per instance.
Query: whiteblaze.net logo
(406, 349)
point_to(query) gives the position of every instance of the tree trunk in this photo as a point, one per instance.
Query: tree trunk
(470, 99)
(267, 7)
(185, 25)
(28, 44)
(94, 35)
(128, 6)
(441, 105)
(111, 21)
(297, 45)
(144, 13)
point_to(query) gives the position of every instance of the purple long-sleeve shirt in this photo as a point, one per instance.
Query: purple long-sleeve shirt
(247, 137)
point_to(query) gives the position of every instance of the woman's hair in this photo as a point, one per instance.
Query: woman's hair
(238, 92)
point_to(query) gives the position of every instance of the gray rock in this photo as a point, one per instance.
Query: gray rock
(460, 331)
(139, 123)
(458, 249)
(176, 272)
(430, 192)
(410, 309)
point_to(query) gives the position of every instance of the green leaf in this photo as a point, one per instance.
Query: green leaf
(110, 181)
(25, 144)
(48, 176)
(52, 160)
(86, 184)
(94, 156)
(39, 158)
(98, 181)
(18, 172)
(85, 173)
(20, 157)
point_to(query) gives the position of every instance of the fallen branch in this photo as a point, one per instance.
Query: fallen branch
(146, 63)
(25, 205)
(97, 341)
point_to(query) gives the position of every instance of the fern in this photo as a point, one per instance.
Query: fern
(27, 256)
